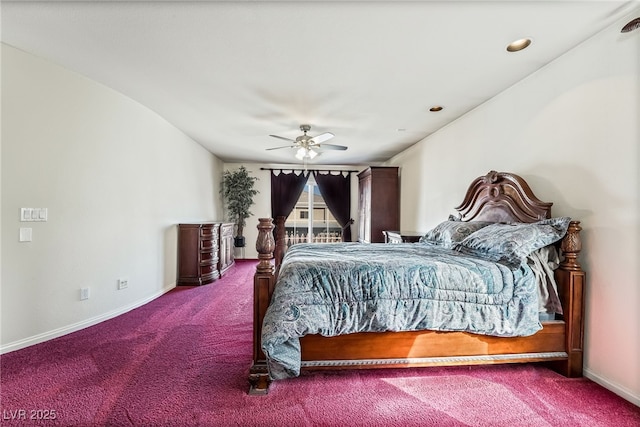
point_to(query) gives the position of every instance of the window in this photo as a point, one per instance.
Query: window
(311, 220)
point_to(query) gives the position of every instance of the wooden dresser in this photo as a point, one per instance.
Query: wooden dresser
(225, 255)
(378, 203)
(198, 253)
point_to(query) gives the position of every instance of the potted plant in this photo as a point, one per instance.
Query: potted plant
(237, 191)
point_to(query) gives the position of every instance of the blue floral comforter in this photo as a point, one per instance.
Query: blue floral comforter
(334, 289)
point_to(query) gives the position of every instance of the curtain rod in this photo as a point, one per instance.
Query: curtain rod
(305, 170)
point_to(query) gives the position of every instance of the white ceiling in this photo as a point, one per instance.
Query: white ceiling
(229, 74)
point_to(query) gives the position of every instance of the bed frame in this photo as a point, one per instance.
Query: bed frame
(497, 196)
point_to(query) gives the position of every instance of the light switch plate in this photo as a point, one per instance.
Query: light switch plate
(34, 214)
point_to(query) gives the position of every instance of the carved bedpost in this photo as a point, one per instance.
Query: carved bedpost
(263, 283)
(571, 246)
(571, 287)
(265, 245)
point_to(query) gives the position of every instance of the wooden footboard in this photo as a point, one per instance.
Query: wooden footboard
(559, 343)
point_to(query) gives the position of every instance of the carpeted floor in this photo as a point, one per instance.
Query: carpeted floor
(183, 360)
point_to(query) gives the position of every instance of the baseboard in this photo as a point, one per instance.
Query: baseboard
(615, 388)
(46, 336)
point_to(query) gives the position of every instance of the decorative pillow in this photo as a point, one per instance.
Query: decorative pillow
(510, 244)
(450, 232)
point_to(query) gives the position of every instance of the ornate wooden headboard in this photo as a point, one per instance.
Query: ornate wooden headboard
(502, 197)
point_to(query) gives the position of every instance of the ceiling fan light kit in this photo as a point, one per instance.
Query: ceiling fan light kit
(307, 153)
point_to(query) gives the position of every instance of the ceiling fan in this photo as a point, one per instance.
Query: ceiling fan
(308, 146)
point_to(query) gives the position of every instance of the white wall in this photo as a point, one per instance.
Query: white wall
(115, 178)
(262, 207)
(572, 130)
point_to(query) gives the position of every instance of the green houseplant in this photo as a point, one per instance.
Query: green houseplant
(238, 192)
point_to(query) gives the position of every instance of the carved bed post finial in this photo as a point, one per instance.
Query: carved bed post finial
(265, 245)
(571, 246)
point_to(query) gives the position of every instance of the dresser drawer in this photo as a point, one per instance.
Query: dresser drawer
(206, 232)
(206, 270)
(207, 245)
(206, 257)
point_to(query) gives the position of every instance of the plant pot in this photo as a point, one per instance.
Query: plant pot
(239, 242)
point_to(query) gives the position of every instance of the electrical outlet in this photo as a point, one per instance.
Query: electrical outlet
(84, 293)
(123, 284)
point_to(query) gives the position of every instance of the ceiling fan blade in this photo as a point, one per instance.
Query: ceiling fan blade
(279, 148)
(319, 139)
(332, 147)
(282, 137)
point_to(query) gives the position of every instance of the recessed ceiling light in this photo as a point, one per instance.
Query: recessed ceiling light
(436, 108)
(518, 45)
(634, 24)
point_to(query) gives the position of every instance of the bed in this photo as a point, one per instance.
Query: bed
(506, 326)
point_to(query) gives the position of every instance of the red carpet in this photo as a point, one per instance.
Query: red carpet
(183, 360)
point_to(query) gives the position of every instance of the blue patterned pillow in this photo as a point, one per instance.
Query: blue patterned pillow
(448, 233)
(510, 244)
